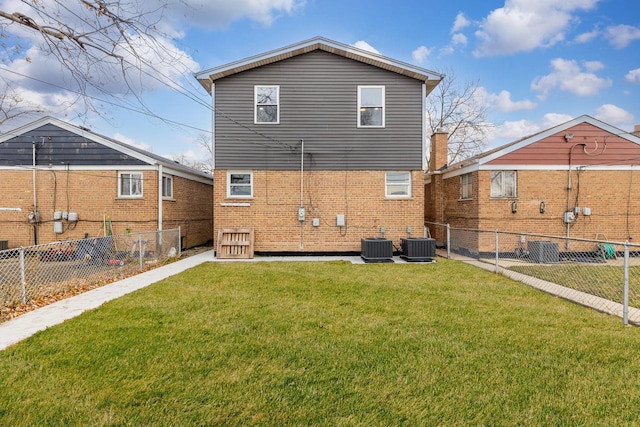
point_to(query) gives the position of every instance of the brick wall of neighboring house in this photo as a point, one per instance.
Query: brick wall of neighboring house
(609, 194)
(93, 196)
(191, 209)
(358, 195)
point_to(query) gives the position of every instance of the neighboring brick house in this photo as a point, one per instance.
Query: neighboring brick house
(578, 179)
(317, 145)
(85, 176)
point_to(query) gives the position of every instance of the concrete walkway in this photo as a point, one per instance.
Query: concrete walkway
(24, 326)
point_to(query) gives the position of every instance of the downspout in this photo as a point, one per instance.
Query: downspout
(424, 127)
(159, 197)
(35, 198)
(301, 213)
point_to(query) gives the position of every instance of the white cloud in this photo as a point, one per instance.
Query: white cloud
(587, 37)
(614, 115)
(360, 44)
(460, 22)
(633, 76)
(133, 142)
(620, 36)
(503, 102)
(510, 131)
(593, 65)
(459, 38)
(421, 54)
(524, 25)
(216, 14)
(568, 76)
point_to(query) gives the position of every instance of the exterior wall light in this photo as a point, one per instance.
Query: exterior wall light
(543, 207)
(514, 206)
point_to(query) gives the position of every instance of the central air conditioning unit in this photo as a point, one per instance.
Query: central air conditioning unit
(418, 249)
(543, 252)
(376, 249)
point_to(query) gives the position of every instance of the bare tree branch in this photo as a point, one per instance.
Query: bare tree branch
(457, 110)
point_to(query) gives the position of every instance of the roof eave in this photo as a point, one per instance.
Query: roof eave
(207, 77)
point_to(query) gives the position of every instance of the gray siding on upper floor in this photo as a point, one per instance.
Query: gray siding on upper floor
(56, 146)
(318, 104)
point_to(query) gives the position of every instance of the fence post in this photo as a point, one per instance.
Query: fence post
(23, 278)
(140, 255)
(448, 241)
(497, 252)
(625, 297)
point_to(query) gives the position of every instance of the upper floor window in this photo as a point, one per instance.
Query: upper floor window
(371, 106)
(398, 184)
(129, 184)
(465, 186)
(267, 104)
(167, 186)
(503, 184)
(239, 184)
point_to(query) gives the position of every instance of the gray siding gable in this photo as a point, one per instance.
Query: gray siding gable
(318, 104)
(56, 146)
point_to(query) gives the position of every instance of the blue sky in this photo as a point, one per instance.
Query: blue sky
(538, 63)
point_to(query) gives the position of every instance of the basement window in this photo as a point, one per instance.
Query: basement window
(240, 184)
(130, 184)
(398, 185)
(504, 184)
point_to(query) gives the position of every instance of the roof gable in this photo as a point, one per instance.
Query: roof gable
(207, 77)
(60, 142)
(583, 141)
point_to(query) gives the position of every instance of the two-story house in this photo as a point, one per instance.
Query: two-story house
(317, 145)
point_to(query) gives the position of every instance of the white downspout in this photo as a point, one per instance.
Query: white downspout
(159, 197)
(301, 192)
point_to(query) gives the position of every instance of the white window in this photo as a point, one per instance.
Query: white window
(371, 106)
(267, 104)
(503, 184)
(129, 184)
(465, 186)
(167, 186)
(239, 184)
(398, 184)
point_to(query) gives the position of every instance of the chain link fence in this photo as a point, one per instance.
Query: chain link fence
(42, 271)
(601, 274)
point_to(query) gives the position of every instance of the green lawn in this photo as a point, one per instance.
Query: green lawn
(331, 344)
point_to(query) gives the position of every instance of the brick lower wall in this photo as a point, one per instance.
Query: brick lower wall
(358, 195)
(609, 194)
(92, 194)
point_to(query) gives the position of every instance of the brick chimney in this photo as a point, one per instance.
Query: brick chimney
(439, 150)
(636, 131)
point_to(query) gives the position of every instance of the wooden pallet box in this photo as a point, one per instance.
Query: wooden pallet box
(235, 243)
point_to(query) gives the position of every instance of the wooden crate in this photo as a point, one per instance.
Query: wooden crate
(235, 243)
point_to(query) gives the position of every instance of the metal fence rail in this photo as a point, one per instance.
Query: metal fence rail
(41, 271)
(608, 271)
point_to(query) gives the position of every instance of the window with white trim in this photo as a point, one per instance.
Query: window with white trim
(371, 108)
(239, 184)
(267, 104)
(504, 184)
(465, 186)
(398, 184)
(167, 186)
(129, 184)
